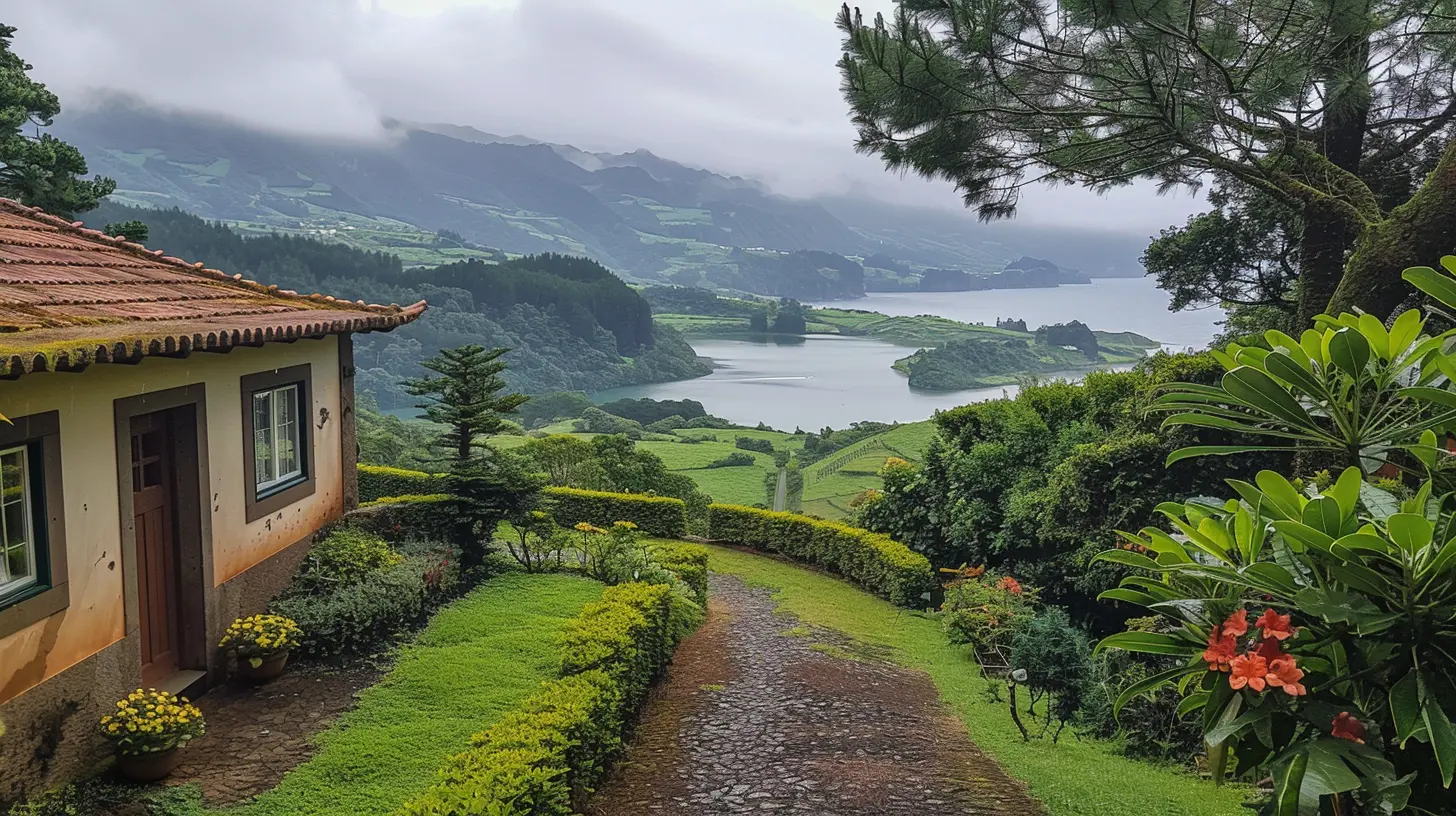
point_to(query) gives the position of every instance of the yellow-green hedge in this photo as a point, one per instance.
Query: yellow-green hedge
(377, 482)
(688, 561)
(545, 757)
(655, 515)
(876, 562)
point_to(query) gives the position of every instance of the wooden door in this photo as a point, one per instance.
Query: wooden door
(158, 561)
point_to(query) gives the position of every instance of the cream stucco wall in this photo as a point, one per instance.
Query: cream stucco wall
(95, 617)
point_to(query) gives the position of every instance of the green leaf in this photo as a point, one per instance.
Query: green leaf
(1439, 396)
(1405, 707)
(1257, 389)
(1327, 774)
(1192, 703)
(1304, 534)
(1346, 490)
(1323, 514)
(1349, 351)
(1404, 331)
(1219, 450)
(1281, 366)
(1271, 575)
(1436, 284)
(1375, 334)
(1281, 492)
(1147, 643)
(1288, 782)
(1410, 531)
(1442, 735)
(1442, 562)
(1131, 596)
(1147, 684)
(1128, 559)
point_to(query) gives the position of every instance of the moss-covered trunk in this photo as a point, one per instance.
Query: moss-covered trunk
(1417, 233)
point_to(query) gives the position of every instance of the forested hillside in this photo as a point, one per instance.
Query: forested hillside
(437, 192)
(571, 323)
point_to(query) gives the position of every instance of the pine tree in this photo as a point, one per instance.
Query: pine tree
(486, 486)
(38, 169)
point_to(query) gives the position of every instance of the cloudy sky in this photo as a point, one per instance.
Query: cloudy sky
(747, 87)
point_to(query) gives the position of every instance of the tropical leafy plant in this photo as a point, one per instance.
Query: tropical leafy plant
(1351, 388)
(1343, 684)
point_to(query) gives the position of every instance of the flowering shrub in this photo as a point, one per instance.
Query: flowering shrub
(257, 637)
(149, 721)
(985, 611)
(1317, 634)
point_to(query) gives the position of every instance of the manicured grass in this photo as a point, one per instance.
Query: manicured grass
(1073, 778)
(477, 659)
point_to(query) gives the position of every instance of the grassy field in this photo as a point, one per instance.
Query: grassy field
(1072, 778)
(830, 484)
(389, 748)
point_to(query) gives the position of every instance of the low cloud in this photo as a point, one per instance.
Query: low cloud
(747, 87)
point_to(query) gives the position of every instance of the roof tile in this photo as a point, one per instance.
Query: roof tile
(70, 297)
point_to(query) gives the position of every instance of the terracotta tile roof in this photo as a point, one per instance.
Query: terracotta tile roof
(71, 296)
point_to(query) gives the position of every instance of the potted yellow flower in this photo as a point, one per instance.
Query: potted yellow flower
(148, 728)
(261, 643)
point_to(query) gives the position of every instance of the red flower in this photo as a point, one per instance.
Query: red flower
(1270, 650)
(1348, 728)
(1237, 624)
(1283, 673)
(1250, 671)
(1220, 652)
(1009, 584)
(1274, 625)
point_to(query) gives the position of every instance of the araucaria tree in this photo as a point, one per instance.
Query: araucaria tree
(37, 168)
(486, 486)
(1300, 101)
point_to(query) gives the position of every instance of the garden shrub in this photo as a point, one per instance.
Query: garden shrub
(407, 518)
(752, 443)
(362, 617)
(689, 562)
(1057, 659)
(986, 611)
(544, 758)
(376, 482)
(345, 556)
(655, 515)
(735, 459)
(873, 560)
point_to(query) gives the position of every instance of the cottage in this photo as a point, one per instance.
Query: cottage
(179, 435)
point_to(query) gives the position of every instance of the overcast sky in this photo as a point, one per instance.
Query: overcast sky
(747, 87)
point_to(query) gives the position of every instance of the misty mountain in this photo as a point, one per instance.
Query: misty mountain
(646, 217)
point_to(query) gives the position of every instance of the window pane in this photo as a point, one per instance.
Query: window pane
(17, 542)
(287, 432)
(263, 472)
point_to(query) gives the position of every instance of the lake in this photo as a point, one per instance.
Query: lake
(828, 380)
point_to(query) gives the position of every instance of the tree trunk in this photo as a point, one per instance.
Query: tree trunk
(1326, 237)
(1417, 233)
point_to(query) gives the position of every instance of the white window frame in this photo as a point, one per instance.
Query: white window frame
(10, 585)
(279, 481)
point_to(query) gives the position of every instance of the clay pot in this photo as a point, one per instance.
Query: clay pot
(149, 767)
(271, 667)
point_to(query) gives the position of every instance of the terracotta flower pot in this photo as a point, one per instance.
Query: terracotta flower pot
(149, 767)
(271, 667)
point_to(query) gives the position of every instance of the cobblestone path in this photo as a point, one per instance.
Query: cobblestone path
(759, 716)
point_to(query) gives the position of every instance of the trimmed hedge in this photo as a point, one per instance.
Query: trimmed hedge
(655, 515)
(404, 518)
(875, 561)
(689, 562)
(377, 482)
(545, 757)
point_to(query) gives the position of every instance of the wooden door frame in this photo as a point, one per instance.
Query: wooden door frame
(193, 525)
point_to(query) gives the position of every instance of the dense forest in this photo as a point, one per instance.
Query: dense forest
(570, 323)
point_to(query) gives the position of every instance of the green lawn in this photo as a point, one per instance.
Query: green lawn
(477, 659)
(1073, 778)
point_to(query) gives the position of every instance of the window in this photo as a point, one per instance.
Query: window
(277, 439)
(278, 461)
(32, 522)
(20, 557)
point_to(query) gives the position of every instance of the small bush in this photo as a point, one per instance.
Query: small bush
(369, 614)
(874, 561)
(689, 562)
(986, 611)
(750, 443)
(732, 460)
(544, 758)
(376, 482)
(400, 519)
(655, 515)
(345, 556)
(1057, 659)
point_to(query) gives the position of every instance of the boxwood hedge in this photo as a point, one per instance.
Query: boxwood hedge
(655, 515)
(875, 561)
(377, 482)
(544, 758)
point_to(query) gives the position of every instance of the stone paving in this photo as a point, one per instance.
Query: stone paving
(761, 716)
(256, 734)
